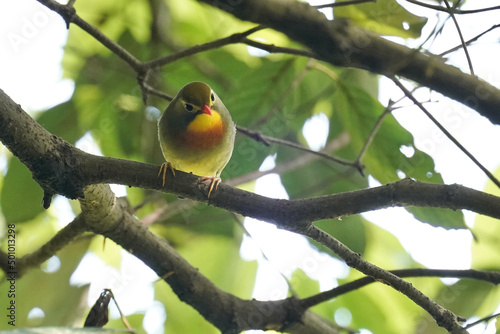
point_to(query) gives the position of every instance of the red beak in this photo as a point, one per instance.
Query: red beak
(206, 110)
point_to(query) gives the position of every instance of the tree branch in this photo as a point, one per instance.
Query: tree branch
(337, 42)
(68, 13)
(409, 95)
(55, 164)
(343, 44)
(63, 237)
(442, 316)
(473, 39)
(61, 168)
(266, 140)
(103, 214)
(344, 3)
(454, 10)
(486, 276)
(278, 49)
(235, 38)
(464, 46)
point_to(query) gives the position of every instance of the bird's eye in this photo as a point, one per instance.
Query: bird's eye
(212, 97)
(188, 107)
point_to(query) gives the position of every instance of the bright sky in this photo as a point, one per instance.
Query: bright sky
(29, 65)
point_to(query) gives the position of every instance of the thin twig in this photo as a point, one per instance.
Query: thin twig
(372, 134)
(344, 3)
(443, 129)
(455, 10)
(234, 38)
(464, 46)
(271, 48)
(390, 107)
(335, 144)
(487, 276)
(485, 319)
(117, 49)
(150, 90)
(63, 237)
(473, 39)
(258, 136)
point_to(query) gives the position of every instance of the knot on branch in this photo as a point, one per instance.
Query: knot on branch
(101, 210)
(55, 170)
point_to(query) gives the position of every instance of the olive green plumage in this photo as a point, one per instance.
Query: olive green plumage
(196, 131)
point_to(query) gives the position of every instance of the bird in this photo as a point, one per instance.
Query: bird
(196, 134)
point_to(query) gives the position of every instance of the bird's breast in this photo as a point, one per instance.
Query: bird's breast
(204, 132)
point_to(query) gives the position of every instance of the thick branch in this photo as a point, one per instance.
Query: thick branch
(343, 44)
(291, 214)
(61, 168)
(105, 215)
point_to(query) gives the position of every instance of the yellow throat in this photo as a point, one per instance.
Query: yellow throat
(204, 122)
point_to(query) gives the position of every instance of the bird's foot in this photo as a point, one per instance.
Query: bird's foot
(215, 181)
(163, 171)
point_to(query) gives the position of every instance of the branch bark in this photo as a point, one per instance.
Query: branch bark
(342, 44)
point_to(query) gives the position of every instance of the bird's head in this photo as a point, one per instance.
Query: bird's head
(197, 98)
(196, 117)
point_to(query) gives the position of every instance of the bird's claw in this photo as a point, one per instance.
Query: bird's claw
(215, 181)
(163, 171)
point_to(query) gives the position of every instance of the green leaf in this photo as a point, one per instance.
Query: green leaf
(348, 230)
(303, 285)
(465, 298)
(181, 317)
(358, 112)
(317, 177)
(21, 196)
(369, 309)
(196, 218)
(112, 18)
(106, 250)
(251, 103)
(384, 249)
(109, 105)
(218, 258)
(61, 121)
(385, 17)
